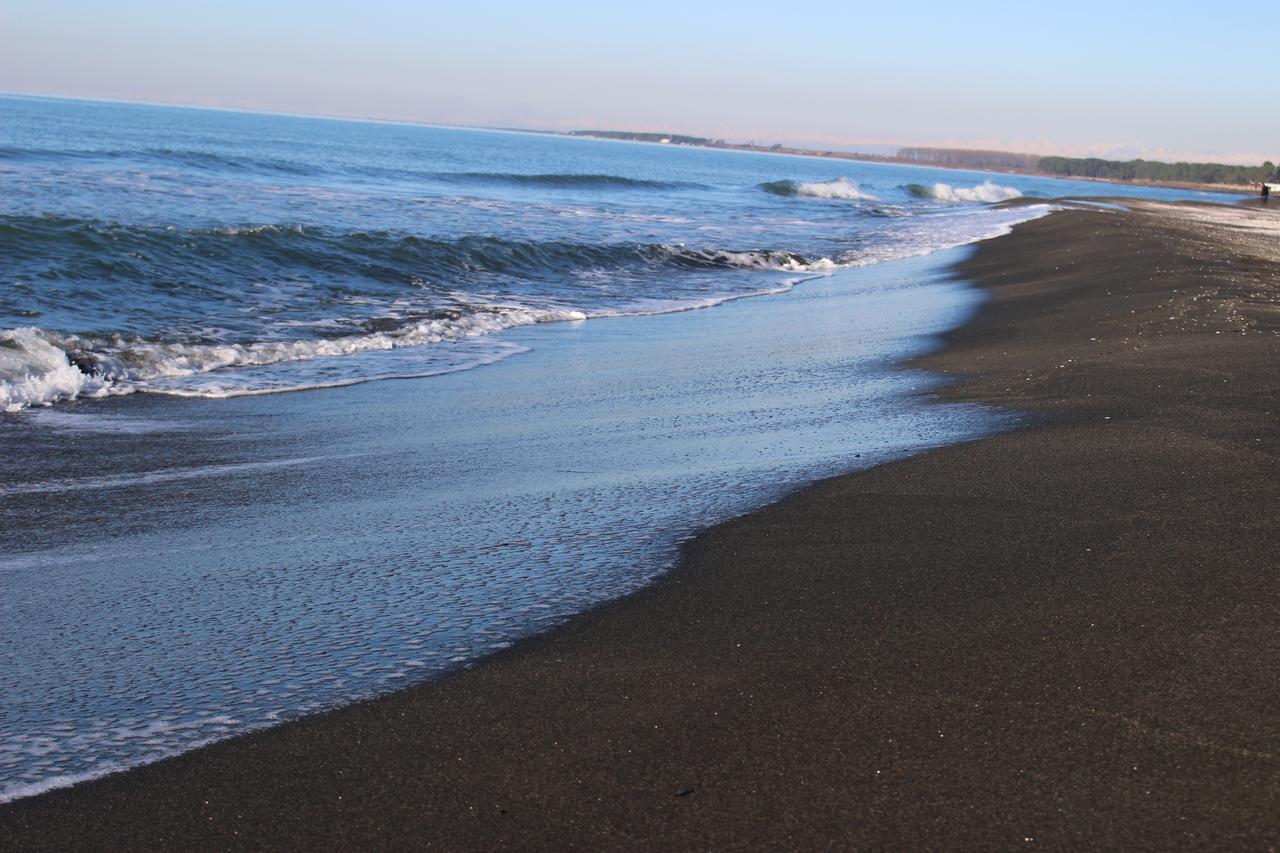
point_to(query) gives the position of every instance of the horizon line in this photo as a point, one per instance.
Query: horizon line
(847, 147)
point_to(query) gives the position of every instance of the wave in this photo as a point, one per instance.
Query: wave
(836, 188)
(39, 367)
(479, 278)
(586, 181)
(393, 305)
(226, 162)
(10, 152)
(204, 160)
(114, 248)
(218, 162)
(986, 192)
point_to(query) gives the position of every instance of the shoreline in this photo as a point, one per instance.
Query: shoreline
(526, 520)
(969, 646)
(891, 160)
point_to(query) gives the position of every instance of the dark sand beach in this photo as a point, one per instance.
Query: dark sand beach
(1060, 637)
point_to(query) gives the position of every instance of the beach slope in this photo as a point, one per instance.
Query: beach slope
(1063, 636)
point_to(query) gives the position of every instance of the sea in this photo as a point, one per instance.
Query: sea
(296, 411)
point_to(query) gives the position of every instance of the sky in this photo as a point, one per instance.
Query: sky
(1170, 80)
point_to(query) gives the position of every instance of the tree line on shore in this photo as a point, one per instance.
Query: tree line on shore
(1152, 170)
(1062, 167)
(972, 157)
(631, 136)
(1096, 167)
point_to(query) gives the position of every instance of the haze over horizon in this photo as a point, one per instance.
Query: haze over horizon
(1165, 81)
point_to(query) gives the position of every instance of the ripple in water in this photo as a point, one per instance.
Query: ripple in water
(431, 522)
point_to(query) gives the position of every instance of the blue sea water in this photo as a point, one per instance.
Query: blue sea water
(184, 556)
(194, 252)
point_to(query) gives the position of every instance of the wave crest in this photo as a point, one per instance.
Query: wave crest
(987, 192)
(190, 158)
(836, 188)
(113, 248)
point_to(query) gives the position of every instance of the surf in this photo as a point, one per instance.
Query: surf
(836, 188)
(987, 192)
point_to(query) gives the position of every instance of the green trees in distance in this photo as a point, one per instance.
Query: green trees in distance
(1151, 170)
(1063, 167)
(1096, 167)
(972, 157)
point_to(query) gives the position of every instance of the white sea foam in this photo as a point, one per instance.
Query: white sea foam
(335, 372)
(654, 307)
(236, 231)
(35, 371)
(927, 234)
(36, 367)
(841, 188)
(757, 260)
(986, 192)
(40, 367)
(154, 740)
(836, 188)
(17, 791)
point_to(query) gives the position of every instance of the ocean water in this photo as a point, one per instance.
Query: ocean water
(202, 253)
(185, 556)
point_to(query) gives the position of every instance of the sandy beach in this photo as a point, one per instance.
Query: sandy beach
(1061, 637)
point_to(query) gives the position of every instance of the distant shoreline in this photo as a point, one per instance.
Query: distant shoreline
(855, 156)
(862, 157)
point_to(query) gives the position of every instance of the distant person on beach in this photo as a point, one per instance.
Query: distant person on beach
(1266, 192)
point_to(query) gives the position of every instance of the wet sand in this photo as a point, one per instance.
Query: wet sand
(1060, 637)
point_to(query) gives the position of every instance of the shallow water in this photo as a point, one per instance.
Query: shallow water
(183, 570)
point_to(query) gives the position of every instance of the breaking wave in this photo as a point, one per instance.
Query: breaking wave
(362, 292)
(986, 192)
(288, 304)
(837, 188)
(40, 367)
(35, 370)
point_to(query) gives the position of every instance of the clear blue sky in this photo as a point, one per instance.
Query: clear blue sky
(1158, 79)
